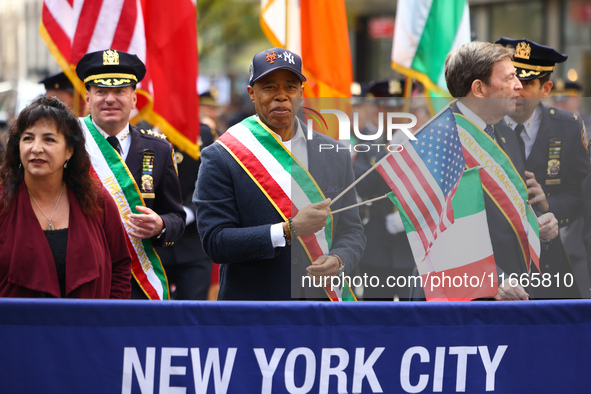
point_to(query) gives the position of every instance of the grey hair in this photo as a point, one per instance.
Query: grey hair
(472, 61)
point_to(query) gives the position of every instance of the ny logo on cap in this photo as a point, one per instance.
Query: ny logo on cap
(288, 57)
(523, 50)
(271, 57)
(110, 58)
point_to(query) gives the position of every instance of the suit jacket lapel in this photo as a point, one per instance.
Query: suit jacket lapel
(135, 150)
(500, 138)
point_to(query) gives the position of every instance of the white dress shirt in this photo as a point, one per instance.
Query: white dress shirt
(124, 137)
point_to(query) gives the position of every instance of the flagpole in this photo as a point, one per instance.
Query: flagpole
(375, 165)
(359, 204)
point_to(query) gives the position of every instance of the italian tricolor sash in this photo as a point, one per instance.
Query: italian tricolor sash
(109, 167)
(503, 184)
(283, 180)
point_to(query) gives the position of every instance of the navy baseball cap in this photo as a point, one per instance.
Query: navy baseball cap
(266, 62)
(110, 69)
(531, 59)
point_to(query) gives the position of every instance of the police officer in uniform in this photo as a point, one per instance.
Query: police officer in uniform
(110, 78)
(553, 143)
(567, 95)
(60, 87)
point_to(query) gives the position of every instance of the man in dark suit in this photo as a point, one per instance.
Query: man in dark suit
(553, 143)
(252, 177)
(483, 77)
(187, 266)
(110, 78)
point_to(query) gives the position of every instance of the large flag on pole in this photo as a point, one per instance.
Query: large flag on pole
(424, 176)
(460, 264)
(167, 97)
(424, 33)
(317, 31)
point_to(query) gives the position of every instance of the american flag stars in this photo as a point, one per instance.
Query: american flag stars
(424, 174)
(442, 142)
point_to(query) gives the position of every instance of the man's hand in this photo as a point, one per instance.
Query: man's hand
(511, 292)
(148, 224)
(537, 197)
(324, 266)
(548, 225)
(311, 218)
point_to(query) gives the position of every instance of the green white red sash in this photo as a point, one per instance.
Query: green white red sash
(282, 179)
(503, 184)
(109, 167)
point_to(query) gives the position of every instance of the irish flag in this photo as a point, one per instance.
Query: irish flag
(317, 31)
(425, 32)
(460, 265)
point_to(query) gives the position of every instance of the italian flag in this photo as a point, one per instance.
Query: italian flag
(425, 32)
(460, 265)
(284, 181)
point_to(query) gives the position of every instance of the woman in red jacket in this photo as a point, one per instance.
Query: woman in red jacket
(60, 231)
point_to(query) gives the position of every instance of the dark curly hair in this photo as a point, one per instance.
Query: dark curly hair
(76, 176)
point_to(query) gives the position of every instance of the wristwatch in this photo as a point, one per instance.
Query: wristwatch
(341, 264)
(341, 267)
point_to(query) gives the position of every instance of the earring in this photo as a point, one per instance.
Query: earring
(20, 165)
(66, 163)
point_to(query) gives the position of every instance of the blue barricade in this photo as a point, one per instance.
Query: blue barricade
(86, 346)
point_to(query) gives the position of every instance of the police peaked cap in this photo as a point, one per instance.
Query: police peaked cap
(58, 82)
(531, 59)
(110, 69)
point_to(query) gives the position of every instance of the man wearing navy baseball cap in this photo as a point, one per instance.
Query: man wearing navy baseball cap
(141, 161)
(263, 195)
(553, 144)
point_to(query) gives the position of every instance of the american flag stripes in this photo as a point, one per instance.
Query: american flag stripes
(163, 36)
(425, 174)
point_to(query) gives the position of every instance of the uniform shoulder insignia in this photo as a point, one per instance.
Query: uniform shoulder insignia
(158, 133)
(560, 114)
(154, 133)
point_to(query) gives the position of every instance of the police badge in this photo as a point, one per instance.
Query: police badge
(147, 185)
(553, 171)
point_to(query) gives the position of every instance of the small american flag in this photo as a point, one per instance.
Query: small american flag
(425, 174)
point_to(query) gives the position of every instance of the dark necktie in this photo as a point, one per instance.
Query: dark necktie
(518, 130)
(489, 130)
(114, 143)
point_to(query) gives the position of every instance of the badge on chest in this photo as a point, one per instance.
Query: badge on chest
(147, 184)
(553, 171)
